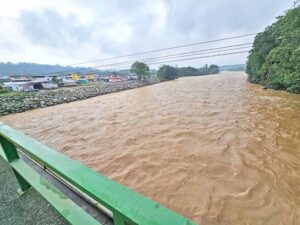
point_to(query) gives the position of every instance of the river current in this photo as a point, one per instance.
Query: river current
(215, 149)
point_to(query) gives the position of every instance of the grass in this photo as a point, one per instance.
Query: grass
(10, 93)
(89, 84)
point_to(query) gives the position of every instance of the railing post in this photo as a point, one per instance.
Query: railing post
(11, 154)
(9, 150)
(118, 219)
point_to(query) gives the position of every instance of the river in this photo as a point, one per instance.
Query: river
(215, 149)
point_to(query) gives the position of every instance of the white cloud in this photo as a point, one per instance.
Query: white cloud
(64, 32)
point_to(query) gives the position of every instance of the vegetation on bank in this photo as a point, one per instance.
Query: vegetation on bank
(10, 93)
(140, 69)
(167, 72)
(274, 60)
(4, 90)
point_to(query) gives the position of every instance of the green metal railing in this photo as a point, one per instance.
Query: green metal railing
(127, 206)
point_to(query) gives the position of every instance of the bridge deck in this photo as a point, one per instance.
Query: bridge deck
(31, 208)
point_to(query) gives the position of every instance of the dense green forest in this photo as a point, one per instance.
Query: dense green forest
(167, 72)
(274, 60)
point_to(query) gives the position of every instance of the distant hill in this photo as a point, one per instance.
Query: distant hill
(239, 67)
(19, 69)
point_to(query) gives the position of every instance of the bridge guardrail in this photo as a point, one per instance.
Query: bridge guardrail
(127, 207)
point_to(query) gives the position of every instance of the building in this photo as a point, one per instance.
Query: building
(115, 78)
(83, 81)
(19, 79)
(67, 83)
(49, 85)
(43, 82)
(20, 86)
(18, 83)
(42, 79)
(74, 76)
(131, 77)
(91, 77)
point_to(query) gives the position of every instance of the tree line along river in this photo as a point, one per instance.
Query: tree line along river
(215, 149)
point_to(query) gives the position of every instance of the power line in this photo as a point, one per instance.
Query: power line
(146, 60)
(203, 50)
(158, 50)
(163, 62)
(164, 49)
(176, 60)
(182, 54)
(200, 57)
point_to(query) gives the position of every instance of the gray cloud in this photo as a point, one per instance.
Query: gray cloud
(214, 18)
(51, 29)
(97, 29)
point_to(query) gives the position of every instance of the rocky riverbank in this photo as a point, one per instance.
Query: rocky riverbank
(24, 101)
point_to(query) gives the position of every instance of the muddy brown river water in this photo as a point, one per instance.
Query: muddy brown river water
(215, 149)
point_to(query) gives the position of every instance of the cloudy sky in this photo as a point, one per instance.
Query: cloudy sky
(71, 31)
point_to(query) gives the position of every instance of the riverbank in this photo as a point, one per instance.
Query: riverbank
(294, 89)
(20, 102)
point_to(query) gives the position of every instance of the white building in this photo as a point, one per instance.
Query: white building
(68, 82)
(49, 85)
(42, 79)
(20, 86)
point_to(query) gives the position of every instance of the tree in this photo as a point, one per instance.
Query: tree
(140, 69)
(167, 72)
(191, 71)
(187, 71)
(275, 56)
(55, 79)
(213, 69)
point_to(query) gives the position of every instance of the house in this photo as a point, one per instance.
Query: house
(91, 77)
(18, 83)
(49, 85)
(74, 76)
(42, 79)
(20, 86)
(19, 79)
(83, 81)
(67, 83)
(115, 78)
(44, 82)
(131, 77)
